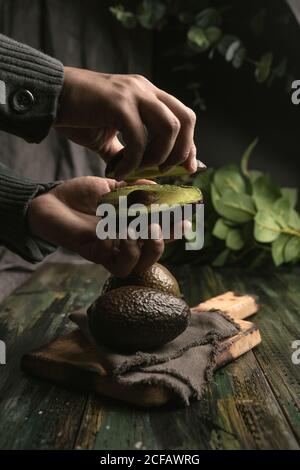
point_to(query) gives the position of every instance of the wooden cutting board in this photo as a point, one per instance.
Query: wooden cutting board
(70, 360)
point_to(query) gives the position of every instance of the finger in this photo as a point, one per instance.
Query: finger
(162, 127)
(185, 140)
(151, 249)
(178, 230)
(191, 162)
(124, 260)
(140, 182)
(110, 148)
(134, 135)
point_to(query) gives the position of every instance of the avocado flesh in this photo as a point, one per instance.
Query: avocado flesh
(136, 318)
(169, 195)
(157, 277)
(144, 173)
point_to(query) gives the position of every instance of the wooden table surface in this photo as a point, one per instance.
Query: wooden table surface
(252, 403)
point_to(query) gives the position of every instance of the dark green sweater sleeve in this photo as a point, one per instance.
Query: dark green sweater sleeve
(30, 85)
(15, 196)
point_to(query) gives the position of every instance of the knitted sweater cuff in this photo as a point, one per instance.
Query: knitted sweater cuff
(15, 196)
(30, 86)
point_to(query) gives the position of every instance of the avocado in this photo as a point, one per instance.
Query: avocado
(135, 318)
(149, 194)
(151, 172)
(157, 277)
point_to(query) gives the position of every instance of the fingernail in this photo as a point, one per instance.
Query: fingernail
(200, 165)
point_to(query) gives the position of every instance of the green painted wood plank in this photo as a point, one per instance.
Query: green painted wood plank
(237, 412)
(66, 277)
(124, 427)
(280, 329)
(34, 413)
(279, 323)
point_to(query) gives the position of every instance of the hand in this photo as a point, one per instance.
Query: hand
(95, 107)
(65, 216)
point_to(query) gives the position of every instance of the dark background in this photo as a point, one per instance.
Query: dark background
(238, 108)
(84, 34)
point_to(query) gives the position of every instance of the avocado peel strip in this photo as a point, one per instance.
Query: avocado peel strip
(151, 172)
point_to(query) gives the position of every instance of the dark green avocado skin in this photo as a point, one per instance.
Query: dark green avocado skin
(156, 276)
(136, 318)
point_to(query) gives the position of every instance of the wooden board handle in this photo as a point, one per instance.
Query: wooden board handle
(235, 305)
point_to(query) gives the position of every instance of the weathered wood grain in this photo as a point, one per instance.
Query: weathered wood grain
(35, 414)
(279, 322)
(252, 403)
(280, 328)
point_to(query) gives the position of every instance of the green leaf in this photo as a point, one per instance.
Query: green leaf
(246, 156)
(235, 240)
(292, 250)
(232, 50)
(291, 194)
(263, 68)
(225, 43)
(280, 70)
(254, 175)
(197, 36)
(203, 180)
(220, 229)
(265, 193)
(229, 178)
(213, 34)
(281, 210)
(266, 229)
(294, 220)
(278, 247)
(229, 223)
(221, 259)
(208, 17)
(239, 209)
(239, 57)
(150, 14)
(127, 18)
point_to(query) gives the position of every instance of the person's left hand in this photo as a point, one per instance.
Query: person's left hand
(65, 216)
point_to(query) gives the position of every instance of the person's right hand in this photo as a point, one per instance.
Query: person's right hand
(65, 216)
(95, 107)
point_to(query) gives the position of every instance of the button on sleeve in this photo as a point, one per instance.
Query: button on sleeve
(22, 100)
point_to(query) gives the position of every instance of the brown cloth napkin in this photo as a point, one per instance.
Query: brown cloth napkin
(184, 365)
